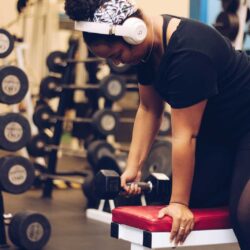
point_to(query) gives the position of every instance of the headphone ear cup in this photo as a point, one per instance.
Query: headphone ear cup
(137, 30)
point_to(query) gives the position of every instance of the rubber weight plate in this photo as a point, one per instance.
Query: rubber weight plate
(17, 174)
(13, 85)
(29, 230)
(105, 121)
(228, 25)
(56, 61)
(43, 111)
(48, 86)
(113, 87)
(159, 160)
(97, 150)
(14, 131)
(37, 145)
(6, 43)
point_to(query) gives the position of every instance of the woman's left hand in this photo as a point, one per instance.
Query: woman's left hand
(183, 221)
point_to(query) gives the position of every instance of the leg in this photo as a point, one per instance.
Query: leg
(240, 194)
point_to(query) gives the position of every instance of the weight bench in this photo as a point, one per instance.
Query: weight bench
(140, 226)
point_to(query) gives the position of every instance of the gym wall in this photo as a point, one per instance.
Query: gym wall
(174, 7)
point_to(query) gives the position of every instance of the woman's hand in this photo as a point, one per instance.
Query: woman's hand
(183, 221)
(131, 175)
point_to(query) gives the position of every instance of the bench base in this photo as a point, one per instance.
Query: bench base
(144, 240)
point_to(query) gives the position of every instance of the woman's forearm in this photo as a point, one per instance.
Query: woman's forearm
(146, 126)
(183, 160)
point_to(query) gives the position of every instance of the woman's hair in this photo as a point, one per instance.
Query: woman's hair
(82, 10)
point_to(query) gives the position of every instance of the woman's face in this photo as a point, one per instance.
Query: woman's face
(119, 52)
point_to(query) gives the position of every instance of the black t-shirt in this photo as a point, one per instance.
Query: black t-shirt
(200, 64)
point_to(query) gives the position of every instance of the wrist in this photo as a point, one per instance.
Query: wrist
(179, 202)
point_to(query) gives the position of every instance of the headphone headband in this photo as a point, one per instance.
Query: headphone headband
(101, 28)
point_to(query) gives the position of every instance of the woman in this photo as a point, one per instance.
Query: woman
(207, 84)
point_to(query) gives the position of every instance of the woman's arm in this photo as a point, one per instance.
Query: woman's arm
(185, 127)
(146, 126)
(147, 123)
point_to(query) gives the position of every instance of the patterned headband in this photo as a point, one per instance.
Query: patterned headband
(114, 11)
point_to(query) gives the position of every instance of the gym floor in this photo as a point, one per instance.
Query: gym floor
(70, 228)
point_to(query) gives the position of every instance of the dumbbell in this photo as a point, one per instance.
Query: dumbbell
(112, 87)
(41, 145)
(17, 174)
(29, 230)
(105, 121)
(57, 61)
(101, 154)
(107, 185)
(13, 85)
(14, 131)
(6, 43)
(228, 25)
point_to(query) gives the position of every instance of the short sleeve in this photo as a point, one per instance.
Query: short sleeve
(192, 80)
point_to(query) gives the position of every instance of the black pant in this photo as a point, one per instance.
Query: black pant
(222, 178)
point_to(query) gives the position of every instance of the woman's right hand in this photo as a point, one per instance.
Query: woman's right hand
(131, 175)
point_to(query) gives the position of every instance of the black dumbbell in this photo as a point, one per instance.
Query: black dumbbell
(41, 145)
(6, 43)
(108, 185)
(57, 61)
(112, 88)
(17, 174)
(105, 121)
(228, 25)
(13, 85)
(29, 230)
(14, 131)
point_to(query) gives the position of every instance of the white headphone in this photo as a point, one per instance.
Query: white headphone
(133, 30)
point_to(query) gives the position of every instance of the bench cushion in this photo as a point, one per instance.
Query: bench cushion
(145, 218)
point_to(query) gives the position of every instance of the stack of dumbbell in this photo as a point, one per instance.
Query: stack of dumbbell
(27, 230)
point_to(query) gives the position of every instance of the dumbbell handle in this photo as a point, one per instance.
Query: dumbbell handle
(145, 186)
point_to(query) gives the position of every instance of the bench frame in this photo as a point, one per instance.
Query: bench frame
(144, 240)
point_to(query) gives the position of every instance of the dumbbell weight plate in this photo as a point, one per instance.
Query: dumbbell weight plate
(43, 111)
(97, 150)
(13, 85)
(165, 128)
(6, 43)
(47, 85)
(17, 174)
(36, 146)
(14, 131)
(105, 121)
(159, 160)
(29, 230)
(113, 87)
(228, 25)
(56, 61)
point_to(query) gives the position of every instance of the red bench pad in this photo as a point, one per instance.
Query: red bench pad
(145, 218)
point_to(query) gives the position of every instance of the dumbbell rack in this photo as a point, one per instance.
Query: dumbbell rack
(58, 128)
(3, 240)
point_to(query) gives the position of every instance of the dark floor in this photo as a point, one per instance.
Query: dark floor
(71, 229)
